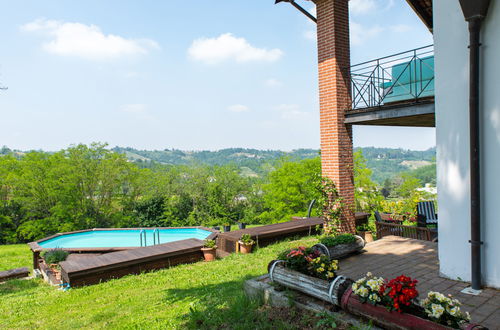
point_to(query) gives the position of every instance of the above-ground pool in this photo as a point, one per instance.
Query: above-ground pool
(121, 238)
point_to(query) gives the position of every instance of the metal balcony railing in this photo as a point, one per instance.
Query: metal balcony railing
(406, 77)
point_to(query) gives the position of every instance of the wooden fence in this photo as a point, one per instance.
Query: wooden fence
(387, 229)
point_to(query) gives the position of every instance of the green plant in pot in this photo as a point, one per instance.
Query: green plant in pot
(209, 250)
(365, 232)
(246, 243)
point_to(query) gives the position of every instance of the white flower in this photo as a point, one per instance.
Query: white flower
(363, 292)
(369, 274)
(374, 297)
(355, 286)
(437, 310)
(373, 284)
(454, 311)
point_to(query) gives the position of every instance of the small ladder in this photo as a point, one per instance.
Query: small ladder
(142, 234)
(156, 236)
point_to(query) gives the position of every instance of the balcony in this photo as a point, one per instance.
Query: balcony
(396, 90)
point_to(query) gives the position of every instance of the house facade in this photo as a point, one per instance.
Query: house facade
(451, 41)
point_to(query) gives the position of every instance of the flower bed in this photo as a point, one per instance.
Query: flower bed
(393, 304)
(308, 271)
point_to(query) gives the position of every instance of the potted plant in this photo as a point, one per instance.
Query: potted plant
(365, 232)
(246, 242)
(227, 227)
(339, 246)
(242, 225)
(209, 250)
(52, 258)
(216, 228)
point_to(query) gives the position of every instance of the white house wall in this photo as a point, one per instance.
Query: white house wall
(452, 135)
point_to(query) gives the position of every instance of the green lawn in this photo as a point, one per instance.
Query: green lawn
(200, 295)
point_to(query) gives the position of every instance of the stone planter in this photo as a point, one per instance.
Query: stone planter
(390, 320)
(341, 250)
(327, 291)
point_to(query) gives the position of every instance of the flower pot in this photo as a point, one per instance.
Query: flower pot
(245, 248)
(54, 268)
(227, 229)
(366, 235)
(389, 319)
(327, 291)
(216, 227)
(242, 225)
(341, 250)
(208, 254)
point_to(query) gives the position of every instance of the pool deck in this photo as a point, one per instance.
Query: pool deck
(227, 243)
(36, 248)
(95, 269)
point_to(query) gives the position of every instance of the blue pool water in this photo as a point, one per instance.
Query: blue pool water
(120, 238)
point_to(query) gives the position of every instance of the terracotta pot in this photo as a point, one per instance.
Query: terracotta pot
(390, 320)
(208, 254)
(366, 235)
(245, 248)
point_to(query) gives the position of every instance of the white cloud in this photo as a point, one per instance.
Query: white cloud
(360, 33)
(228, 47)
(272, 82)
(291, 111)
(358, 7)
(86, 41)
(238, 108)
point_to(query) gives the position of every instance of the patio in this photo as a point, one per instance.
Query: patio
(392, 256)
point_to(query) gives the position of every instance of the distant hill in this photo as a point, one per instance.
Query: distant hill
(384, 162)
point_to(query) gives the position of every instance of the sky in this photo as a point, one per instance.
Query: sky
(190, 75)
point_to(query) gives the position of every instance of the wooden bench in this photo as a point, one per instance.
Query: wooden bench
(227, 243)
(14, 273)
(92, 270)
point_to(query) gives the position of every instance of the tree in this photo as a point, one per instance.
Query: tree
(291, 187)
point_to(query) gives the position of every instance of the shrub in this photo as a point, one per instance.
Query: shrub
(337, 240)
(210, 244)
(54, 256)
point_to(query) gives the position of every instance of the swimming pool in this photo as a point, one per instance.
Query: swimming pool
(121, 238)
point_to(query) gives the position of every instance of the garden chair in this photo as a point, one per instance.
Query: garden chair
(426, 214)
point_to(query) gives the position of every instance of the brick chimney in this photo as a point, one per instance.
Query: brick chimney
(335, 100)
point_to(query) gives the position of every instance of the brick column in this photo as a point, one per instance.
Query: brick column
(335, 100)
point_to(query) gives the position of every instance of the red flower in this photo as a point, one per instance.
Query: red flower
(401, 291)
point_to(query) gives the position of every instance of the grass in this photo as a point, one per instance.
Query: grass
(200, 295)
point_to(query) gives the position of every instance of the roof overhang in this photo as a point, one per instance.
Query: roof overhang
(423, 8)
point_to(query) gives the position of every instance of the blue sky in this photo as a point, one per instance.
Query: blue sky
(190, 75)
